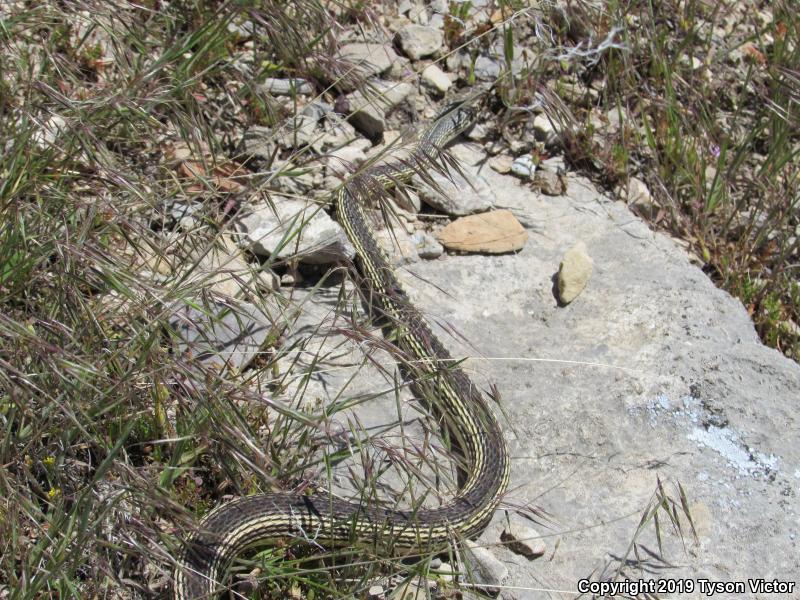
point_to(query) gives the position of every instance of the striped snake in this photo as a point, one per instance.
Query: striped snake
(464, 416)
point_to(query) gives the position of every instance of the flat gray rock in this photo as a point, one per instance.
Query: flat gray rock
(368, 59)
(456, 194)
(651, 374)
(289, 228)
(225, 335)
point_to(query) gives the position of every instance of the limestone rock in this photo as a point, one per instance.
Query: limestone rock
(367, 112)
(398, 246)
(370, 59)
(522, 539)
(523, 166)
(574, 273)
(494, 232)
(555, 164)
(549, 182)
(479, 132)
(501, 163)
(638, 195)
(428, 247)
(224, 270)
(226, 334)
(544, 130)
(285, 87)
(419, 41)
(435, 79)
(487, 68)
(483, 566)
(289, 227)
(456, 195)
(639, 366)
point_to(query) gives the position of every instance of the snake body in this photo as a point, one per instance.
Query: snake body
(464, 415)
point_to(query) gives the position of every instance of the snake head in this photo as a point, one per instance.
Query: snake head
(460, 115)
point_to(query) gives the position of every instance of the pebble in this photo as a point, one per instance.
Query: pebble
(419, 41)
(487, 69)
(399, 247)
(692, 62)
(478, 132)
(574, 272)
(243, 30)
(494, 232)
(456, 61)
(484, 566)
(555, 163)
(501, 163)
(523, 166)
(298, 132)
(345, 159)
(317, 109)
(445, 572)
(638, 196)
(181, 210)
(367, 113)
(338, 132)
(428, 247)
(49, 131)
(435, 79)
(370, 59)
(523, 540)
(257, 145)
(418, 14)
(549, 182)
(544, 130)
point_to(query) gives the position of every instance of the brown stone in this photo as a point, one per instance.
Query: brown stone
(493, 232)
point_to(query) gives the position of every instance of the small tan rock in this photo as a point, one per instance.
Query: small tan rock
(501, 163)
(638, 195)
(435, 79)
(574, 273)
(493, 232)
(523, 540)
(549, 183)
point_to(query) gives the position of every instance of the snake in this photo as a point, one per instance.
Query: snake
(466, 420)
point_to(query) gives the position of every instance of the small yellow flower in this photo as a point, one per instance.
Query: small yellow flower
(50, 461)
(54, 493)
